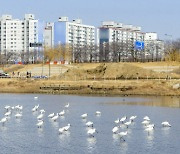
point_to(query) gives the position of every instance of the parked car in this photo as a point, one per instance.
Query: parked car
(40, 77)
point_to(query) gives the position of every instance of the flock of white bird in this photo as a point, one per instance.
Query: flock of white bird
(52, 116)
(149, 127)
(120, 122)
(8, 111)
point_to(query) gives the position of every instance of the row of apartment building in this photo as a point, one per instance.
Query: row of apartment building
(17, 35)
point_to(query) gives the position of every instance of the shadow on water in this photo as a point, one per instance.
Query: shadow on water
(3, 128)
(64, 136)
(55, 124)
(160, 101)
(40, 132)
(123, 146)
(84, 120)
(150, 140)
(62, 118)
(91, 144)
(166, 130)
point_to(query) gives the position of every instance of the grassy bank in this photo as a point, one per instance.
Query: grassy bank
(155, 78)
(107, 87)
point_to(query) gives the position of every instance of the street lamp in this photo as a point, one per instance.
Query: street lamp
(104, 50)
(171, 39)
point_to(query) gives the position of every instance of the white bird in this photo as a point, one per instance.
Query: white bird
(39, 117)
(127, 123)
(67, 105)
(123, 119)
(165, 124)
(40, 123)
(115, 129)
(36, 98)
(7, 107)
(145, 122)
(84, 115)
(42, 111)
(91, 132)
(117, 121)
(3, 120)
(149, 129)
(132, 118)
(61, 130)
(66, 128)
(122, 134)
(18, 115)
(89, 124)
(7, 113)
(146, 118)
(150, 125)
(18, 107)
(51, 115)
(62, 113)
(98, 113)
(55, 117)
(35, 108)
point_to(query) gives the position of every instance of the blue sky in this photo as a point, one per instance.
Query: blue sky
(161, 16)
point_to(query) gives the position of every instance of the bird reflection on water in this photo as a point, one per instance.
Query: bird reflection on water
(91, 144)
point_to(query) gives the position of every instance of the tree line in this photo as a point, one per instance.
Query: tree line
(105, 52)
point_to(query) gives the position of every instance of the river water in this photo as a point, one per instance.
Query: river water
(23, 136)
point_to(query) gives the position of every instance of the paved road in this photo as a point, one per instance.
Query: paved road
(44, 70)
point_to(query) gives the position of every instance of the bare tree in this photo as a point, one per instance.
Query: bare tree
(172, 50)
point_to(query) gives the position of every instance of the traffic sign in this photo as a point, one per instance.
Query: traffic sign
(139, 45)
(35, 44)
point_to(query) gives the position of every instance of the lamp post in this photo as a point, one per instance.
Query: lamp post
(104, 50)
(171, 39)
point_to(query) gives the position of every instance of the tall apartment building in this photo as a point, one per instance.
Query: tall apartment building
(74, 34)
(154, 48)
(117, 41)
(49, 35)
(16, 36)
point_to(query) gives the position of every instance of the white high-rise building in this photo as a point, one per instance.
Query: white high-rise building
(16, 36)
(154, 48)
(73, 33)
(120, 40)
(49, 35)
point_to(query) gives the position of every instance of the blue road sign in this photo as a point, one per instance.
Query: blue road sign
(139, 45)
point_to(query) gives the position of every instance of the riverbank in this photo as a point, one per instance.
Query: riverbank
(104, 87)
(157, 78)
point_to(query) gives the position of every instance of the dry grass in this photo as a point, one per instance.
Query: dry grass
(84, 74)
(112, 71)
(163, 63)
(110, 87)
(13, 68)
